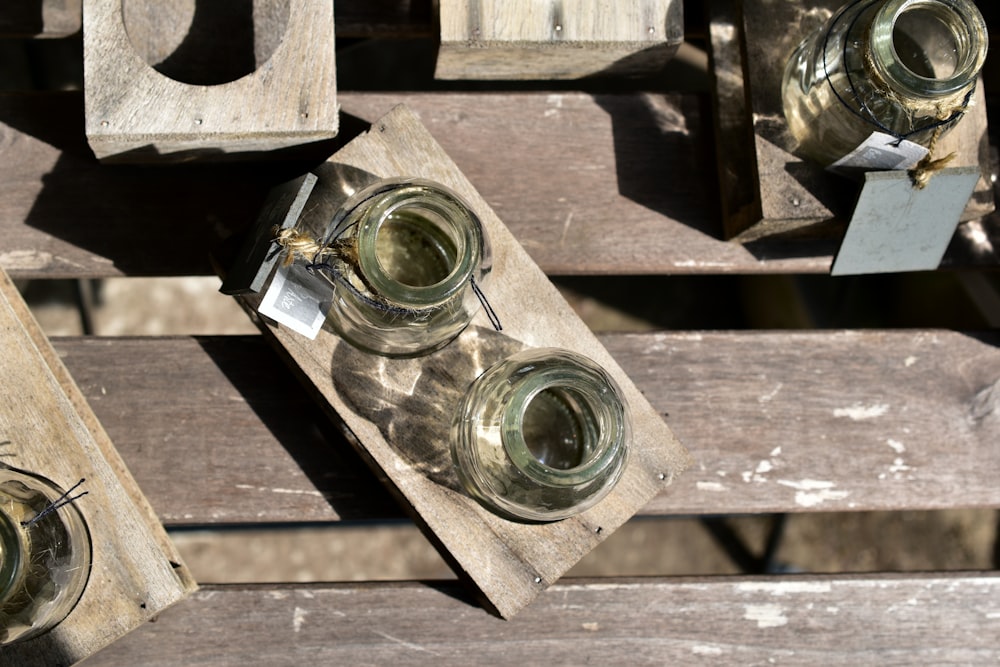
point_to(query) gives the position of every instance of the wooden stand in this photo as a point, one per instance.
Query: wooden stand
(766, 190)
(556, 39)
(400, 411)
(141, 105)
(50, 430)
(41, 18)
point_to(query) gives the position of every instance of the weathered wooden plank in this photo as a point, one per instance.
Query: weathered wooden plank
(816, 421)
(555, 39)
(829, 620)
(158, 88)
(49, 430)
(558, 167)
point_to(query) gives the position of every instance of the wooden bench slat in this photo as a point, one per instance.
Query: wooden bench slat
(828, 620)
(777, 421)
(588, 184)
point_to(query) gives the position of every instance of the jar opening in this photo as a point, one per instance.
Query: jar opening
(925, 43)
(413, 247)
(559, 429)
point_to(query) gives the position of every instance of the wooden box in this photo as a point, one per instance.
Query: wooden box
(185, 79)
(399, 411)
(766, 190)
(49, 429)
(556, 39)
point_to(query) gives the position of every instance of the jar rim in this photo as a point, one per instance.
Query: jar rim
(585, 383)
(464, 227)
(11, 553)
(972, 54)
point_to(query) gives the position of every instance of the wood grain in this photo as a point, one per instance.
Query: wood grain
(399, 410)
(136, 572)
(879, 420)
(802, 620)
(41, 18)
(643, 165)
(135, 112)
(555, 39)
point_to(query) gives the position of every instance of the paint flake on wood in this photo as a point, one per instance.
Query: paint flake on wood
(556, 39)
(399, 410)
(185, 79)
(136, 572)
(789, 195)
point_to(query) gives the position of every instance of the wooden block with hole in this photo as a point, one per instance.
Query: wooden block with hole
(400, 410)
(556, 39)
(41, 18)
(766, 189)
(183, 79)
(50, 430)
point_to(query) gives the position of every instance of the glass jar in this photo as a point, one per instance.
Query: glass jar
(541, 435)
(904, 68)
(405, 257)
(44, 555)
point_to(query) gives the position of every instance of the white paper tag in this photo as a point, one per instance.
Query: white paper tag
(896, 227)
(297, 299)
(880, 152)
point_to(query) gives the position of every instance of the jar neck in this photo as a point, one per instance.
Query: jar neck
(928, 52)
(418, 244)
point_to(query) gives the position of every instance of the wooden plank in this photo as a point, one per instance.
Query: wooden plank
(148, 98)
(41, 18)
(555, 39)
(794, 194)
(828, 620)
(510, 562)
(880, 420)
(136, 572)
(64, 215)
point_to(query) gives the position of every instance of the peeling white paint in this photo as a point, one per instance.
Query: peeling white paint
(296, 492)
(298, 618)
(766, 398)
(591, 627)
(812, 492)
(701, 649)
(764, 466)
(859, 412)
(25, 260)
(784, 587)
(909, 361)
(896, 445)
(711, 486)
(776, 452)
(766, 615)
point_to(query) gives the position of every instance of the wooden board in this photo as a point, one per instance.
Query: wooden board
(793, 194)
(804, 620)
(41, 18)
(136, 572)
(286, 95)
(880, 420)
(62, 214)
(509, 562)
(556, 39)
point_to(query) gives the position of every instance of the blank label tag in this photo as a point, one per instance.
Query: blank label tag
(297, 299)
(897, 227)
(880, 152)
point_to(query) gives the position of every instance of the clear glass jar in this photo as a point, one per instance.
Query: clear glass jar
(541, 435)
(44, 555)
(404, 257)
(905, 68)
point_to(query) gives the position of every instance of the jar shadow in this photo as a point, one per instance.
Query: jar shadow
(413, 401)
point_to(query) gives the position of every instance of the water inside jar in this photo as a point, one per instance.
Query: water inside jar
(925, 43)
(559, 429)
(414, 249)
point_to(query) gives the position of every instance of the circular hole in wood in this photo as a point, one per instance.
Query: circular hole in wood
(205, 42)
